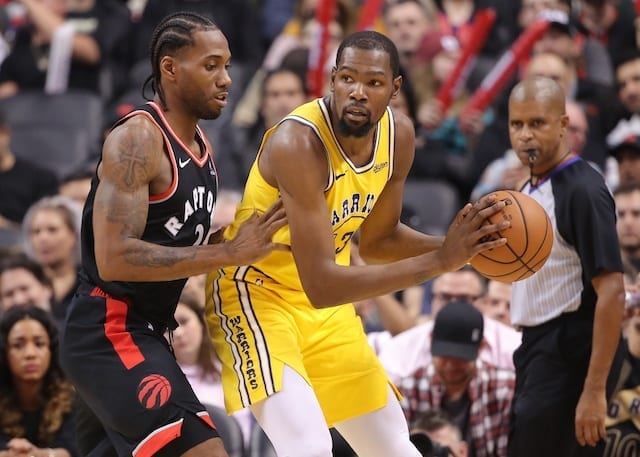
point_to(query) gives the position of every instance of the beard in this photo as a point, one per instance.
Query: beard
(359, 131)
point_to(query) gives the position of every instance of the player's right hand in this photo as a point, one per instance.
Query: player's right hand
(470, 233)
(254, 238)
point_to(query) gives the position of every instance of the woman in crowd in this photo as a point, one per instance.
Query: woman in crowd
(36, 400)
(51, 232)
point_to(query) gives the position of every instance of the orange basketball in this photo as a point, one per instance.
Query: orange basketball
(529, 240)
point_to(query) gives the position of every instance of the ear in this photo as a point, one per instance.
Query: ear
(397, 84)
(168, 67)
(332, 78)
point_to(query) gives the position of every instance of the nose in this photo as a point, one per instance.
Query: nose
(225, 79)
(525, 133)
(358, 92)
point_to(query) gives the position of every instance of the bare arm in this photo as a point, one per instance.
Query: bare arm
(382, 237)
(132, 159)
(83, 47)
(295, 161)
(592, 406)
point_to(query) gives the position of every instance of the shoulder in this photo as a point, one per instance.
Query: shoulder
(403, 124)
(136, 145)
(293, 137)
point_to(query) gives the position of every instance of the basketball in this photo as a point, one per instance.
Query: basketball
(529, 239)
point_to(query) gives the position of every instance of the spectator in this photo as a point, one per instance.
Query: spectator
(22, 183)
(407, 22)
(623, 429)
(36, 400)
(474, 393)
(63, 46)
(23, 282)
(496, 303)
(282, 91)
(627, 198)
(410, 350)
(442, 433)
(628, 81)
(609, 22)
(624, 146)
(51, 232)
(77, 184)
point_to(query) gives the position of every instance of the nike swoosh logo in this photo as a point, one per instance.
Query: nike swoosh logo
(340, 176)
(183, 164)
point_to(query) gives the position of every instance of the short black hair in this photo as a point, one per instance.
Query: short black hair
(173, 32)
(284, 70)
(625, 56)
(22, 262)
(626, 188)
(371, 40)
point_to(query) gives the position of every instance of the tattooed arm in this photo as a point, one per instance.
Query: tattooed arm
(133, 161)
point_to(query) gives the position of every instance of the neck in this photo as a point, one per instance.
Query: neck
(536, 177)
(7, 160)
(29, 395)
(456, 391)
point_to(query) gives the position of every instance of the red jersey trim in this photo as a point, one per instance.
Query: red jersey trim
(162, 436)
(200, 161)
(158, 439)
(157, 198)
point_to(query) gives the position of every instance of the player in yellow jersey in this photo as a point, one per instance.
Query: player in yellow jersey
(292, 348)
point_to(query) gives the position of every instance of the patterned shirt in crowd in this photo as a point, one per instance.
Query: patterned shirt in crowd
(490, 393)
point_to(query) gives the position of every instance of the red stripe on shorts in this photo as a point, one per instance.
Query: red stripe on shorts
(115, 329)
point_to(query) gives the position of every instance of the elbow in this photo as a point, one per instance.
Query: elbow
(106, 270)
(319, 294)
(318, 298)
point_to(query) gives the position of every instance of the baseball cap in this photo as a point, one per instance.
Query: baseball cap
(625, 136)
(559, 20)
(457, 331)
(435, 42)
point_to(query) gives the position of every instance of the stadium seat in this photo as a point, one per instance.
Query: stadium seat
(58, 132)
(229, 431)
(429, 206)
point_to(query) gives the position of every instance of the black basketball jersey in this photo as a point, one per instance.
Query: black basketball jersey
(181, 216)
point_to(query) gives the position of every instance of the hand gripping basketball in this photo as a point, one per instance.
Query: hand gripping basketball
(529, 239)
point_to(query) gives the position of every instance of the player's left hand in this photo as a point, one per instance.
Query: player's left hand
(590, 415)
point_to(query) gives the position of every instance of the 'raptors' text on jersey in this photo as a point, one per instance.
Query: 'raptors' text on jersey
(180, 216)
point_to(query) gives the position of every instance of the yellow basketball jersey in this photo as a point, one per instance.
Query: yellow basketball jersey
(351, 190)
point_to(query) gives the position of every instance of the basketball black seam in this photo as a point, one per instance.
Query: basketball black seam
(519, 258)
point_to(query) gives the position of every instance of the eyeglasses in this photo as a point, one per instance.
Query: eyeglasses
(447, 297)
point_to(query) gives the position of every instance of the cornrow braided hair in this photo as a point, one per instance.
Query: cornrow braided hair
(174, 32)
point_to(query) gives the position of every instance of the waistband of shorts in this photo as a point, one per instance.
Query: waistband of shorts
(580, 315)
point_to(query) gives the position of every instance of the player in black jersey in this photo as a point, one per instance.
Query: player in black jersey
(145, 226)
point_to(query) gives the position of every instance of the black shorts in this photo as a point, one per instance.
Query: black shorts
(126, 374)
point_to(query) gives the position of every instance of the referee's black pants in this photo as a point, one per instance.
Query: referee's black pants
(551, 366)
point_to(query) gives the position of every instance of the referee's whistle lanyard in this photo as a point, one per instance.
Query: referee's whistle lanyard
(541, 179)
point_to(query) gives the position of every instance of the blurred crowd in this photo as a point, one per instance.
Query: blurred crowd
(72, 54)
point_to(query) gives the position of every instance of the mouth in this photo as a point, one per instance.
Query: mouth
(221, 99)
(357, 113)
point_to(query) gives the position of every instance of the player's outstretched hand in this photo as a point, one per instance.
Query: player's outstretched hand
(254, 238)
(470, 233)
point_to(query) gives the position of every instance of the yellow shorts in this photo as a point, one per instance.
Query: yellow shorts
(258, 327)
